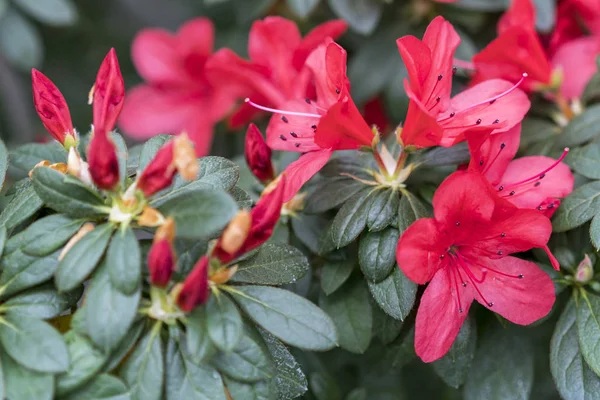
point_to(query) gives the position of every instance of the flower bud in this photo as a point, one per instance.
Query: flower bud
(151, 217)
(108, 93)
(195, 290)
(236, 232)
(161, 258)
(52, 109)
(258, 155)
(585, 270)
(185, 159)
(102, 160)
(84, 230)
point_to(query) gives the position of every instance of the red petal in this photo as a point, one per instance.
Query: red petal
(195, 289)
(438, 318)
(154, 54)
(161, 263)
(282, 125)
(328, 65)
(521, 301)
(343, 128)
(577, 60)
(521, 14)
(301, 170)
(316, 37)
(420, 127)
(197, 37)
(103, 161)
(258, 155)
(51, 107)
(159, 173)
(109, 92)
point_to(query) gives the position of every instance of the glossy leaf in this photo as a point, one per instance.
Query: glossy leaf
(124, 261)
(23, 205)
(334, 274)
(351, 219)
(581, 129)
(273, 264)
(224, 322)
(377, 254)
(85, 362)
(144, 370)
(395, 294)
(578, 208)
(48, 234)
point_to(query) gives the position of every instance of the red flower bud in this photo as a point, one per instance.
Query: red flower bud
(102, 160)
(52, 109)
(108, 93)
(161, 259)
(263, 217)
(258, 155)
(195, 289)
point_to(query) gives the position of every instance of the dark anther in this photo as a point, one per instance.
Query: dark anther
(314, 127)
(520, 276)
(464, 284)
(440, 77)
(282, 138)
(496, 121)
(438, 99)
(501, 188)
(457, 223)
(452, 114)
(454, 69)
(297, 145)
(441, 256)
(542, 176)
(337, 91)
(478, 121)
(503, 145)
(284, 119)
(512, 193)
(294, 134)
(460, 310)
(307, 100)
(499, 252)
(537, 184)
(480, 162)
(503, 234)
(540, 208)
(550, 206)
(490, 304)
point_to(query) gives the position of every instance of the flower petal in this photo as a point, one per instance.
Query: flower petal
(301, 170)
(343, 128)
(330, 29)
(521, 14)
(420, 129)
(289, 132)
(196, 36)
(577, 60)
(328, 66)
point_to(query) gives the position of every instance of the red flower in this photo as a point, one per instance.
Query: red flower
(534, 182)
(277, 56)
(161, 258)
(433, 117)
(52, 109)
(103, 161)
(464, 253)
(517, 49)
(177, 95)
(576, 60)
(318, 127)
(258, 155)
(569, 15)
(263, 218)
(195, 290)
(374, 113)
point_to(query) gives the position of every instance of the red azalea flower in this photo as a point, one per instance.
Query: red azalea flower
(258, 155)
(576, 60)
(433, 117)
(195, 289)
(161, 258)
(570, 15)
(320, 126)
(263, 218)
(277, 55)
(177, 95)
(463, 252)
(374, 113)
(534, 182)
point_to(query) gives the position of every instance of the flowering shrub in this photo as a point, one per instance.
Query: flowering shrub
(344, 254)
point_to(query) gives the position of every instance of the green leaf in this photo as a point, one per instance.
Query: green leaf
(261, 390)
(3, 235)
(3, 162)
(128, 342)
(41, 303)
(124, 261)
(198, 343)
(34, 344)
(186, 380)
(200, 214)
(85, 362)
(331, 193)
(537, 130)
(82, 258)
(502, 369)
(102, 387)
(351, 219)
(247, 362)
(248, 11)
(586, 160)
(308, 228)
(350, 310)
(581, 129)
(66, 194)
(334, 274)
(377, 254)
(595, 232)
(361, 15)
(50, 12)
(483, 5)
(23, 205)
(573, 377)
(588, 329)
(109, 312)
(289, 317)
(26, 157)
(48, 234)
(324, 387)
(242, 198)
(383, 209)
(144, 369)
(122, 154)
(24, 384)
(273, 264)
(20, 271)
(20, 41)
(395, 295)
(302, 8)
(290, 380)
(410, 210)
(578, 208)
(454, 366)
(224, 322)
(440, 156)
(150, 148)
(385, 327)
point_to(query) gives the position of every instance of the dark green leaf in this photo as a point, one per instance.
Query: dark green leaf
(29, 155)
(483, 5)
(85, 362)
(242, 198)
(150, 148)
(377, 253)
(248, 11)
(23, 205)
(109, 312)
(24, 384)
(595, 232)
(261, 390)
(351, 219)
(144, 369)
(395, 295)
(102, 387)
(350, 310)
(308, 228)
(579, 207)
(536, 130)
(66, 194)
(224, 322)
(20, 271)
(502, 369)
(48, 234)
(440, 156)
(410, 210)
(128, 342)
(50, 12)
(3, 235)
(581, 129)
(331, 193)
(383, 209)
(292, 319)
(82, 258)
(34, 344)
(124, 261)
(385, 327)
(361, 15)
(3, 163)
(201, 213)
(454, 366)
(273, 264)
(334, 274)
(302, 7)
(198, 343)
(588, 329)
(586, 160)
(41, 303)
(324, 387)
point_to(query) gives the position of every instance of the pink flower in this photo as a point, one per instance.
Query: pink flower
(577, 61)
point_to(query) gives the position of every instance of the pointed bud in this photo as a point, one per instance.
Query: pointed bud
(84, 230)
(258, 155)
(151, 217)
(108, 93)
(52, 109)
(102, 160)
(185, 159)
(161, 258)
(585, 271)
(195, 290)
(236, 232)
(263, 217)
